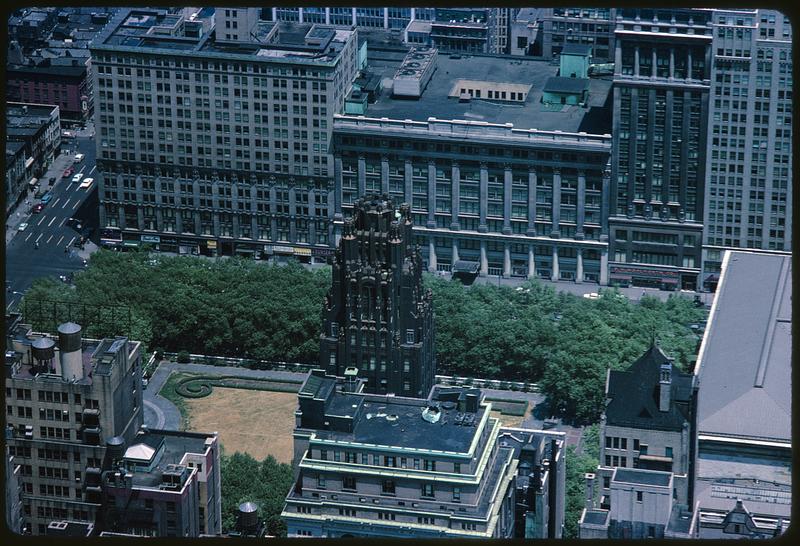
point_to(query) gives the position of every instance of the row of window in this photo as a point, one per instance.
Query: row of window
(388, 487)
(391, 461)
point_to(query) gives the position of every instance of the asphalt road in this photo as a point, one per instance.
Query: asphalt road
(24, 262)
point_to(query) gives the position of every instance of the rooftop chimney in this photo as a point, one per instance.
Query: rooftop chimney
(589, 477)
(664, 386)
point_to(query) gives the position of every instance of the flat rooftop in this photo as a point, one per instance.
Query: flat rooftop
(760, 497)
(532, 114)
(400, 424)
(642, 477)
(176, 445)
(744, 367)
(133, 28)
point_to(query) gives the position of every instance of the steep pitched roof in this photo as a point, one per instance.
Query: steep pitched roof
(634, 394)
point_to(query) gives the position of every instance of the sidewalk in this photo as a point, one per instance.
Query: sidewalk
(20, 214)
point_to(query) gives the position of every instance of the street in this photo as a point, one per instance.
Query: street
(24, 261)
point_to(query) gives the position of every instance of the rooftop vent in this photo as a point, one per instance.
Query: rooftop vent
(431, 414)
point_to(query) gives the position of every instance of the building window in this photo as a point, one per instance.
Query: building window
(416, 464)
(430, 465)
(623, 443)
(387, 487)
(457, 468)
(349, 482)
(639, 496)
(606, 482)
(635, 444)
(427, 490)
(456, 494)
(323, 454)
(668, 451)
(409, 336)
(608, 442)
(321, 482)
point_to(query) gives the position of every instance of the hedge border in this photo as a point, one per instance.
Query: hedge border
(508, 406)
(202, 386)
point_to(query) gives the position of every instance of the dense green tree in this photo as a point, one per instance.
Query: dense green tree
(241, 308)
(577, 467)
(266, 483)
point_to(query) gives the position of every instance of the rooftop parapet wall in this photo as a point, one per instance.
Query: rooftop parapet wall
(474, 130)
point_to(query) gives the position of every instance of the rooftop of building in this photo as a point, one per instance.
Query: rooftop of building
(761, 497)
(532, 114)
(13, 147)
(596, 517)
(527, 15)
(399, 423)
(642, 477)
(133, 29)
(20, 116)
(634, 394)
(744, 366)
(175, 446)
(70, 528)
(447, 421)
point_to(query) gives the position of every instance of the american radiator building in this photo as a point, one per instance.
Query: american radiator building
(377, 316)
(374, 465)
(511, 174)
(213, 130)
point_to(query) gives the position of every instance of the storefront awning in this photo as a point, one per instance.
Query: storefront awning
(28, 162)
(619, 277)
(302, 251)
(211, 244)
(283, 249)
(669, 280)
(464, 266)
(130, 243)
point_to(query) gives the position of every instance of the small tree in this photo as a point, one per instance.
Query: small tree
(184, 358)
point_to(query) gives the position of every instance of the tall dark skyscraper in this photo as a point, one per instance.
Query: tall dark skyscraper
(661, 93)
(377, 317)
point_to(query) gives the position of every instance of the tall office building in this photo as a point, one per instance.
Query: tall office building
(62, 401)
(368, 465)
(593, 27)
(661, 95)
(749, 159)
(213, 130)
(512, 172)
(377, 316)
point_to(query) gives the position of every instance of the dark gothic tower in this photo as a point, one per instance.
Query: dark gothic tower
(376, 317)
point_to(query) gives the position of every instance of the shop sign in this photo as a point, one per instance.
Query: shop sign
(151, 239)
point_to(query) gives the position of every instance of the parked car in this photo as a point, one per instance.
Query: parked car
(52, 180)
(87, 183)
(36, 209)
(68, 173)
(79, 158)
(46, 198)
(77, 177)
(23, 226)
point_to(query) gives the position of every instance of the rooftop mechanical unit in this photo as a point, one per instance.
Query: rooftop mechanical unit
(415, 72)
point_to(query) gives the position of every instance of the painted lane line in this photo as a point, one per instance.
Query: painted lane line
(49, 239)
(51, 221)
(64, 221)
(72, 241)
(55, 202)
(84, 166)
(66, 203)
(39, 237)
(93, 168)
(28, 237)
(59, 241)
(42, 219)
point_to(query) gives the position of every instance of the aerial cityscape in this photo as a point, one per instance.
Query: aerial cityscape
(398, 272)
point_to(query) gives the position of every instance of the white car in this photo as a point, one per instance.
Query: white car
(77, 177)
(592, 296)
(23, 226)
(79, 158)
(87, 183)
